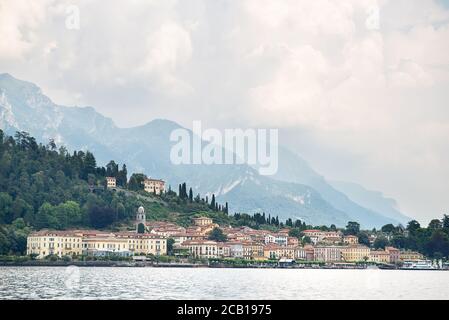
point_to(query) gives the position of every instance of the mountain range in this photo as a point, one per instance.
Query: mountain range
(296, 191)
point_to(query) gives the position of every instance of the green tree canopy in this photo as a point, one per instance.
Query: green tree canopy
(217, 235)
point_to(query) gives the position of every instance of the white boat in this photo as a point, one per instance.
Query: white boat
(419, 265)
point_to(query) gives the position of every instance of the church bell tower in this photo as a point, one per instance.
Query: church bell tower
(140, 218)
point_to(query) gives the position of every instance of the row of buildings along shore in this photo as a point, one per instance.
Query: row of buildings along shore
(193, 241)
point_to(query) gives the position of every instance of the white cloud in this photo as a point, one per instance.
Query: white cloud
(18, 23)
(374, 98)
(168, 48)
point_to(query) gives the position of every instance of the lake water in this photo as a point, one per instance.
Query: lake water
(216, 284)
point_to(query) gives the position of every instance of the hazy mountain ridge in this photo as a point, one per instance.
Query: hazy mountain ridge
(292, 168)
(146, 149)
(373, 200)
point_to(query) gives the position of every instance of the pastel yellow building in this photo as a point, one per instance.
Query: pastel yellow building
(351, 240)
(355, 253)
(144, 243)
(203, 229)
(410, 256)
(154, 186)
(201, 248)
(379, 256)
(60, 243)
(275, 251)
(92, 242)
(202, 221)
(224, 250)
(111, 182)
(252, 250)
(104, 243)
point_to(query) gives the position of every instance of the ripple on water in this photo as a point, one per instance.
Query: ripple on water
(203, 283)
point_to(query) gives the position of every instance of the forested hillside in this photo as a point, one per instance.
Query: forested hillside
(43, 186)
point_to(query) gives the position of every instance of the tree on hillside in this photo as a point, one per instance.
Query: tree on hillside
(122, 176)
(306, 240)
(363, 238)
(101, 217)
(388, 228)
(380, 243)
(296, 233)
(46, 217)
(136, 181)
(446, 222)
(212, 202)
(217, 235)
(435, 224)
(352, 228)
(438, 245)
(112, 169)
(413, 226)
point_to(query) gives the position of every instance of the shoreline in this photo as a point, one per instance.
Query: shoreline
(126, 264)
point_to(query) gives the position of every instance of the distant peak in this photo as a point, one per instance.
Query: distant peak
(6, 75)
(162, 123)
(10, 81)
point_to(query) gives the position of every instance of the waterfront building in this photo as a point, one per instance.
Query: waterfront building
(100, 244)
(270, 251)
(224, 250)
(236, 249)
(327, 253)
(93, 242)
(379, 256)
(410, 256)
(355, 253)
(144, 243)
(156, 186)
(50, 242)
(111, 182)
(275, 251)
(309, 250)
(300, 253)
(252, 250)
(201, 248)
(395, 254)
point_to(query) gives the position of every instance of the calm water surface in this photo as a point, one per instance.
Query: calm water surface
(203, 283)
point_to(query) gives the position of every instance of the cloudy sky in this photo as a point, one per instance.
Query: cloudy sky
(359, 88)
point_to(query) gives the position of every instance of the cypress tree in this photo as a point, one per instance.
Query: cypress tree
(212, 202)
(184, 191)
